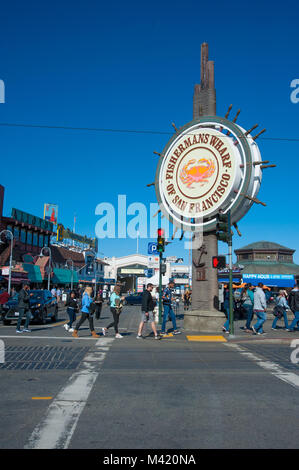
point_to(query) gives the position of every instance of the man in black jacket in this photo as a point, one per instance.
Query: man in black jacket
(293, 302)
(147, 314)
(23, 308)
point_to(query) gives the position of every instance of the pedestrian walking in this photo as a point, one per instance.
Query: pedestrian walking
(187, 296)
(247, 299)
(225, 327)
(54, 291)
(98, 304)
(58, 295)
(115, 308)
(168, 311)
(259, 308)
(72, 308)
(147, 311)
(294, 306)
(23, 308)
(85, 310)
(281, 302)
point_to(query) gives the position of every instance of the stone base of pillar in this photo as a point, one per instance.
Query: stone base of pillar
(204, 321)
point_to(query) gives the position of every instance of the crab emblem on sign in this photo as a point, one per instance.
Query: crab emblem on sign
(197, 173)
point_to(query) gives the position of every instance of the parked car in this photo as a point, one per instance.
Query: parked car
(133, 299)
(42, 306)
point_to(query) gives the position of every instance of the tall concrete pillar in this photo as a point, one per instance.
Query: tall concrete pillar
(204, 315)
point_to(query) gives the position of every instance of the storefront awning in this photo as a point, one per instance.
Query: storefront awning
(63, 276)
(33, 271)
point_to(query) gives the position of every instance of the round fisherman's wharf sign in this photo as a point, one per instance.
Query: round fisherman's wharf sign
(207, 167)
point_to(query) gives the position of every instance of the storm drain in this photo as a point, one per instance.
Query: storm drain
(42, 357)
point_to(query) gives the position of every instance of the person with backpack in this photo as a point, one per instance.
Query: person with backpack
(147, 311)
(247, 303)
(294, 306)
(72, 308)
(282, 303)
(98, 304)
(168, 311)
(115, 308)
(86, 313)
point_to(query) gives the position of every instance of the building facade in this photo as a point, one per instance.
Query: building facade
(269, 263)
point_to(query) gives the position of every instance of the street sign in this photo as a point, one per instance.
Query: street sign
(149, 272)
(171, 259)
(153, 261)
(152, 248)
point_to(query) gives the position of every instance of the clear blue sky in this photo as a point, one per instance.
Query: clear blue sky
(133, 65)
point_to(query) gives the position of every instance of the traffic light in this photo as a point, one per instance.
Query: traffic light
(223, 228)
(160, 240)
(219, 262)
(60, 233)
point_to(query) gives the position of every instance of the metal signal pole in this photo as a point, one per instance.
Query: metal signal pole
(230, 260)
(160, 287)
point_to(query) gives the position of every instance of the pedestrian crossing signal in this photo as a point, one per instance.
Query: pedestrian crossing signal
(219, 262)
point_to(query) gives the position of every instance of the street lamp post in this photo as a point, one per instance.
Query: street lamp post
(10, 257)
(72, 278)
(50, 261)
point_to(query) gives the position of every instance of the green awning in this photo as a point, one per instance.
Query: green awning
(63, 276)
(34, 274)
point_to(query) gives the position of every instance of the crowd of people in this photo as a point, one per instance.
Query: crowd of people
(89, 304)
(254, 302)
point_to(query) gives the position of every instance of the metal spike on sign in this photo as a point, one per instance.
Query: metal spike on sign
(234, 120)
(228, 111)
(174, 126)
(250, 130)
(257, 135)
(254, 199)
(237, 229)
(151, 184)
(182, 235)
(255, 163)
(267, 166)
(261, 163)
(158, 212)
(226, 116)
(157, 153)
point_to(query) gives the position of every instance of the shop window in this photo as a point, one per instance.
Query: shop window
(46, 240)
(41, 241)
(16, 233)
(29, 238)
(23, 235)
(35, 239)
(265, 256)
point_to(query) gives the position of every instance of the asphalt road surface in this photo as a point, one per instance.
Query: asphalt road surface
(177, 393)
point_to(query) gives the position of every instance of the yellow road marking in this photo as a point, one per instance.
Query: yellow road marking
(170, 335)
(207, 338)
(42, 398)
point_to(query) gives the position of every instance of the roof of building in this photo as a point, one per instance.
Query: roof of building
(61, 254)
(264, 245)
(269, 267)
